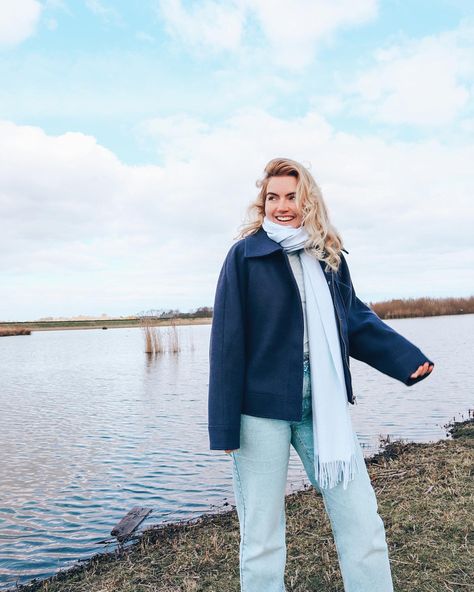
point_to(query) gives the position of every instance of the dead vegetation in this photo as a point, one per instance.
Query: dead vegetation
(422, 307)
(425, 497)
(8, 332)
(159, 340)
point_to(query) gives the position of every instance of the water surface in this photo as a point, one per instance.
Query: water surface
(91, 426)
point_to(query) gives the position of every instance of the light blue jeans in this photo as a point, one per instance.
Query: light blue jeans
(260, 468)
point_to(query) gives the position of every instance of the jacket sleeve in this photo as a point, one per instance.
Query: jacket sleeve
(374, 342)
(227, 356)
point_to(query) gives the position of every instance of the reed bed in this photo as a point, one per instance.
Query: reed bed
(423, 307)
(153, 340)
(14, 331)
(425, 498)
(159, 340)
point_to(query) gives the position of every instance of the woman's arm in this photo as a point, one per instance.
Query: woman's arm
(227, 355)
(374, 342)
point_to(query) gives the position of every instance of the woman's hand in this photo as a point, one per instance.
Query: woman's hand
(422, 370)
(229, 451)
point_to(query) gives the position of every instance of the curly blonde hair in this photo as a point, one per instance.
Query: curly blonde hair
(324, 241)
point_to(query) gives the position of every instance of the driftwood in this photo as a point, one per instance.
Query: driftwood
(129, 523)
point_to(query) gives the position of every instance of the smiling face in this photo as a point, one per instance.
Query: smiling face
(280, 201)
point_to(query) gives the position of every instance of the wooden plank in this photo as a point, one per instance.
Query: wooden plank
(130, 522)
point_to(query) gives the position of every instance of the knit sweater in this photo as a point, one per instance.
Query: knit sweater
(297, 269)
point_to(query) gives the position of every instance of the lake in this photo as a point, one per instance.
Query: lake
(91, 426)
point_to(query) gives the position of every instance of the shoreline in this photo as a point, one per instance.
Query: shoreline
(96, 324)
(110, 323)
(120, 323)
(424, 493)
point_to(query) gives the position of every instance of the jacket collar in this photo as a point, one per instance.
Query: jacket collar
(259, 244)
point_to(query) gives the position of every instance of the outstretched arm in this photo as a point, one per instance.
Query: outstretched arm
(374, 342)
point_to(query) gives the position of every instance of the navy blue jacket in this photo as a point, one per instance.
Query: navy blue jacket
(256, 346)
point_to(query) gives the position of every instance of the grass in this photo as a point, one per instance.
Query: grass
(99, 324)
(425, 498)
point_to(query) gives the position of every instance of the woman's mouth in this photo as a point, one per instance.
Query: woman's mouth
(284, 218)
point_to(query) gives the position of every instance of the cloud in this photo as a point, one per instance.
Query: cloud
(208, 24)
(422, 82)
(76, 194)
(106, 236)
(294, 32)
(290, 33)
(18, 21)
(108, 14)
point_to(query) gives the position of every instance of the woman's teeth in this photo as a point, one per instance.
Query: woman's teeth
(284, 218)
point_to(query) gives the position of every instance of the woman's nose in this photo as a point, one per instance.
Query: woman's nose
(282, 206)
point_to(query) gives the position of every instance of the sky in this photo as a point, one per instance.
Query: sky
(132, 135)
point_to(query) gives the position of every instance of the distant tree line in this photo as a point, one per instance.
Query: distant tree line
(174, 313)
(422, 307)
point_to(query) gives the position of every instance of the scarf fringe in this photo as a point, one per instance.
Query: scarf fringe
(330, 473)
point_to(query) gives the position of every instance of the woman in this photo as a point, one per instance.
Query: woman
(286, 319)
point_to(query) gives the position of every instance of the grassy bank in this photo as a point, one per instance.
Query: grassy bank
(425, 497)
(390, 309)
(98, 324)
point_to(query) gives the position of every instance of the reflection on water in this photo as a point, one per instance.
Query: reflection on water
(91, 426)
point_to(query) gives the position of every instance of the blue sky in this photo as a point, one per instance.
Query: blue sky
(132, 135)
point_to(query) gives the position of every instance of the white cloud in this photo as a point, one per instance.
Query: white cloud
(108, 14)
(110, 237)
(291, 31)
(423, 82)
(294, 29)
(174, 136)
(18, 20)
(209, 24)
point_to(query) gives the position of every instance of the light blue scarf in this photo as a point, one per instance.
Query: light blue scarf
(334, 445)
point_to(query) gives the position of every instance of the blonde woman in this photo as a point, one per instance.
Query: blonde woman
(286, 320)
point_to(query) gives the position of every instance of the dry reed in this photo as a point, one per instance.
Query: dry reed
(423, 307)
(4, 332)
(173, 338)
(156, 341)
(153, 341)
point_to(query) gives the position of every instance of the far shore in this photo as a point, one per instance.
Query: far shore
(386, 310)
(23, 326)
